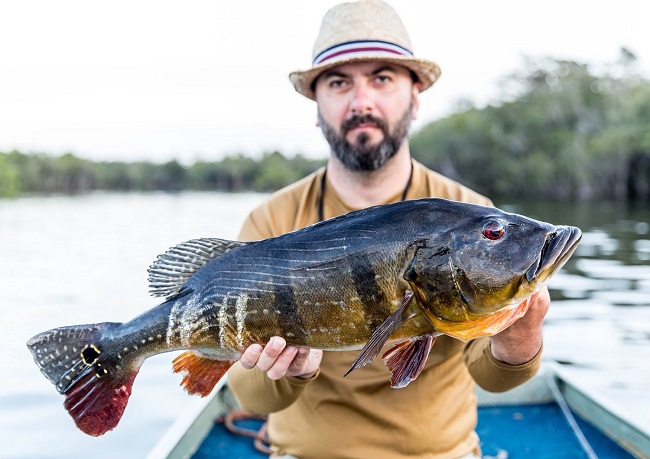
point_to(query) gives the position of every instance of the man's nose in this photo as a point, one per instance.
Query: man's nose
(362, 101)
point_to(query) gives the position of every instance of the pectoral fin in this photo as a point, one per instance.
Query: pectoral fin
(381, 334)
(407, 359)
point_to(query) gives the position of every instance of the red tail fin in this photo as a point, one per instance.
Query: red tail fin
(96, 382)
(202, 373)
(97, 404)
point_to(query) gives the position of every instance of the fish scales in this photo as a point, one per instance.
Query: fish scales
(297, 297)
(322, 300)
(402, 274)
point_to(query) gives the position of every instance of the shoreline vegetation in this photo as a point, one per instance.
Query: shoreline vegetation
(559, 131)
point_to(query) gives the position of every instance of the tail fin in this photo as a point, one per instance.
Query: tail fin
(96, 383)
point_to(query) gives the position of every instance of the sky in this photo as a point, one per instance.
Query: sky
(202, 79)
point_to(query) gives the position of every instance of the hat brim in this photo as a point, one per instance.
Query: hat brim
(427, 72)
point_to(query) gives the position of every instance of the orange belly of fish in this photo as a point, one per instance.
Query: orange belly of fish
(484, 326)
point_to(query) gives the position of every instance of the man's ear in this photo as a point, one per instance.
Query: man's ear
(415, 98)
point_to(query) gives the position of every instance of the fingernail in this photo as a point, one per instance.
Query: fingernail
(255, 349)
(290, 350)
(276, 343)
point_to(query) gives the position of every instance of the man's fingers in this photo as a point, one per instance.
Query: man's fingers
(300, 361)
(278, 360)
(250, 356)
(271, 352)
(282, 363)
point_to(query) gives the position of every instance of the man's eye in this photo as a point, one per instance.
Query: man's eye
(337, 84)
(382, 79)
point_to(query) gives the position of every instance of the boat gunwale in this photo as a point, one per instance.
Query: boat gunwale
(188, 431)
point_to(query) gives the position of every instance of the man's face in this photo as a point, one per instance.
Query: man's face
(365, 110)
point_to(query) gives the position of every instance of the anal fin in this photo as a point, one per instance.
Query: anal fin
(381, 335)
(201, 373)
(406, 360)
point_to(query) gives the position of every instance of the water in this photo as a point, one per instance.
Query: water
(68, 260)
(599, 321)
(83, 260)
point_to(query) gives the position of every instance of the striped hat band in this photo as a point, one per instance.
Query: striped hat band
(367, 48)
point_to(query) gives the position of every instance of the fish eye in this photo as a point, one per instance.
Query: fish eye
(493, 230)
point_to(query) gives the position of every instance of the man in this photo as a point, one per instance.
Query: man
(366, 84)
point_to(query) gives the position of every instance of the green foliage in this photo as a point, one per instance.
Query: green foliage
(233, 173)
(275, 171)
(562, 133)
(9, 184)
(39, 173)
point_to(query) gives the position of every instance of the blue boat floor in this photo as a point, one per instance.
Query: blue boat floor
(220, 442)
(522, 431)
(541, 432)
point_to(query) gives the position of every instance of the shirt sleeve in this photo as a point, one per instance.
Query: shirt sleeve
(492, 374)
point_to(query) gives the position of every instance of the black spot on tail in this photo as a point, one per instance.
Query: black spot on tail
(90, 354)
(66, 354)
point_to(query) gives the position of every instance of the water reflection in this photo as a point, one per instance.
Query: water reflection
(613, 256)
(599, 321)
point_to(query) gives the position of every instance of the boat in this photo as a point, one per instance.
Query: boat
(551, 416)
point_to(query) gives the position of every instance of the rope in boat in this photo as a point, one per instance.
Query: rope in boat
(261, 441)
(570, 419)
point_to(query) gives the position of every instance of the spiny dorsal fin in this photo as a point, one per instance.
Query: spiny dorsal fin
(173, 268)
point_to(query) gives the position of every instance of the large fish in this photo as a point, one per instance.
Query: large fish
(402, 273)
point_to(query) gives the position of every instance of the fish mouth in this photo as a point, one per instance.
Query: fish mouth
(559, 246)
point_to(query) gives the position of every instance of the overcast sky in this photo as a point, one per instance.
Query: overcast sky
(200, 79)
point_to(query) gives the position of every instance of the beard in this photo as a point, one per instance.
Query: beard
(361, 155)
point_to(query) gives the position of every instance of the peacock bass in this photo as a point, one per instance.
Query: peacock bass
(401, 273)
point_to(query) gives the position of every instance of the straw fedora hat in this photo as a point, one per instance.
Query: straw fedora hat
(364, 30)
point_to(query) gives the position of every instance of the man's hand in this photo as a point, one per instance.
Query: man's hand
(278, 360)
(521, 341)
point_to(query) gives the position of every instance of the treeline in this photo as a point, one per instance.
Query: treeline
(41, 173)
(559, 131)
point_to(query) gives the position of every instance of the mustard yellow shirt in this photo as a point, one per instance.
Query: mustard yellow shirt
(361, 416)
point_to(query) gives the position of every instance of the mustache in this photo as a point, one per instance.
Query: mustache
(356, 120)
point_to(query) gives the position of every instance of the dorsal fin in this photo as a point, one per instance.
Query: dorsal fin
(169, 272)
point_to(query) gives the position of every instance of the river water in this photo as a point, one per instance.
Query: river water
(70, 260)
